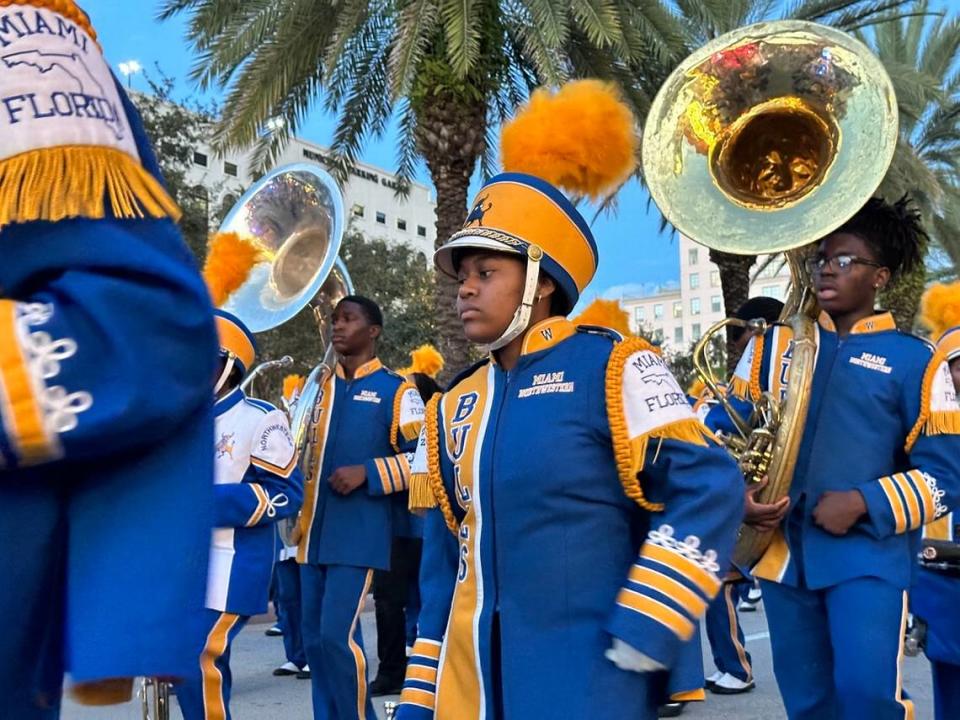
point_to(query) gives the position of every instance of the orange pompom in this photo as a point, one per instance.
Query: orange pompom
(425, 360)
(605, 313)
(230, 259)
(581, 138)
(940, 308)
(292, 386)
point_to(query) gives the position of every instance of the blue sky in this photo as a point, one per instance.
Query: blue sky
(632, 251)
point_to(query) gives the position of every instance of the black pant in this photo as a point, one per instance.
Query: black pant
(391, 589)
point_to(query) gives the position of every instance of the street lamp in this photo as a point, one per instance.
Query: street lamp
(130, 68)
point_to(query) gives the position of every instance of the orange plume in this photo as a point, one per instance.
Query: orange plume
(605, 313)
(940, 308)
(292, 386)
(425, 360)
(230, 258)
(581, 138)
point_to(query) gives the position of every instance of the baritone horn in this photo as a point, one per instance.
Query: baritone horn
(764, 141)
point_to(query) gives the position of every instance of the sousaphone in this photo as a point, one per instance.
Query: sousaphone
(764, 141)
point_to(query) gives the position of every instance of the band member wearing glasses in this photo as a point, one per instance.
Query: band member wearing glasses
(582, 512)
(880, 457)
(365, 422)
(107, 355)
(257, 484)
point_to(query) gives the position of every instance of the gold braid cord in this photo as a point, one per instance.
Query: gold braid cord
(756, 362)
(67, 8)
(395, 422)
(930, 422)
(616, 417)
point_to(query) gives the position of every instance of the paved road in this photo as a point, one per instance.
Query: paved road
(260, 696)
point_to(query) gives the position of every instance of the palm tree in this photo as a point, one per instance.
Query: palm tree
(921, 52)
(450, 71)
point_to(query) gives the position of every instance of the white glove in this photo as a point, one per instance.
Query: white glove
(627, 657)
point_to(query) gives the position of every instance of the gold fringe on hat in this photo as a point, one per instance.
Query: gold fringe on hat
(940, 308)
(425, 360)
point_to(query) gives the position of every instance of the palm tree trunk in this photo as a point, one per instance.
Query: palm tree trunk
(735, 285)
(450, 134)
(902, 297)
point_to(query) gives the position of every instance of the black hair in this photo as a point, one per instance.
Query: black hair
(893, 232)
(426, 385)
(764, 307)
(370, 309)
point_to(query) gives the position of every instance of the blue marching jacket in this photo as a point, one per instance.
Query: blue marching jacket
(107, 350)
(257, 484)
(372, 420)
(883, 419)
(580, 501)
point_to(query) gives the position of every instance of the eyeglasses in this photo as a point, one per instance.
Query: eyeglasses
(840, 264)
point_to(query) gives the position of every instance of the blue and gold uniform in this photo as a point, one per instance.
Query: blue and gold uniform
(257, 483)
(372, 419)
(107, 349)
(883, 419)
(935, 595)
(581, 511)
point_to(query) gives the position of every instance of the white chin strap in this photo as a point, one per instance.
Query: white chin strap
(521, 318)
(222, 380)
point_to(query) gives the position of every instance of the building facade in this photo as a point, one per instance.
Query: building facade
(370, 201)
(678, 316)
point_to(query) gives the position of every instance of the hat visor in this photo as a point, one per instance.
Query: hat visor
(443, 257)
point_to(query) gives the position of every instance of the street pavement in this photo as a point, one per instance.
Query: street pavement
(257, 695)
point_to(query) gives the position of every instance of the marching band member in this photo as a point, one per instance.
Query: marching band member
(107, 355)
(880, 457)
(734, 673)
(256, 483)
(582, 511)
(936, 594)
(365, 421)
(395, 591)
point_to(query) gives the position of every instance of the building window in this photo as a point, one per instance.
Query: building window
(714, 278)
(694, 306)
(230, 169)
(716, 304)
(771, 291)
(382, 218)
(693, 256)
(199, 159)
(678, 335)
(696, 331)
(358, 210)
(694, 281)
(658, 336)
(638, 315)
(678, 309)
(401, 224)
(658, 312)
(421, 231)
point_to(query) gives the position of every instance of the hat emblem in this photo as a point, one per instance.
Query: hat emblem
(476, 215)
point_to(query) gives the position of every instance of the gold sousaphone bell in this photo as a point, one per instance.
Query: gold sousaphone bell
(764, 141)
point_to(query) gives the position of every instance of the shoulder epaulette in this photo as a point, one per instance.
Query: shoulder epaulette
(463, 375)
(260, 404)
(600, 330)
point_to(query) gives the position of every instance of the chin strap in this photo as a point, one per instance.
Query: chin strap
(227, 368)
(521, 318)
